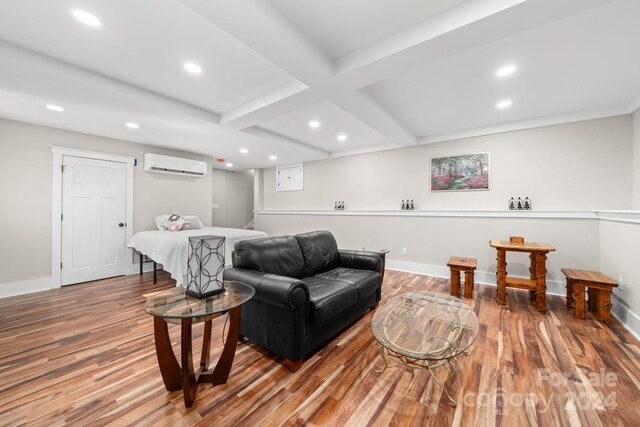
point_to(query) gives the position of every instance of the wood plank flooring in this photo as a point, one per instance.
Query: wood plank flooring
(84, 355)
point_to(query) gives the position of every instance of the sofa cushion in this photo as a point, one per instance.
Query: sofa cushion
(276, 255)
(366, 282)
(320, 251)
(328, 298)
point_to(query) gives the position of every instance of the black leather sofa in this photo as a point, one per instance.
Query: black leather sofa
(306, 290)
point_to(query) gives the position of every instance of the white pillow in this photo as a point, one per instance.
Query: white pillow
(192, 222)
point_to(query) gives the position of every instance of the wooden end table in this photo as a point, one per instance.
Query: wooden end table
(174, 306)
(599, 287)
(537, 282)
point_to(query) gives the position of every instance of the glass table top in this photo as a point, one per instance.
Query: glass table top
(425, 325)
(175, 304)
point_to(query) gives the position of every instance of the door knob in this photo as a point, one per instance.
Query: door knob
(122, 224)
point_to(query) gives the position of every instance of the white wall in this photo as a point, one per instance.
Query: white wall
(430, 241)
(619, 251)
(583, 165)
(25, 193)
(578, 166)
(636, 160)
(232, 198)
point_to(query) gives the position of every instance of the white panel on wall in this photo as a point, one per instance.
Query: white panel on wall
(289, 178)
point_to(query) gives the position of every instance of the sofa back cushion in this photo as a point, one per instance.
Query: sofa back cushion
(320, 251)
(276, 255)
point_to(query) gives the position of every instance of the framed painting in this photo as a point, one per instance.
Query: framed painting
(467, 172)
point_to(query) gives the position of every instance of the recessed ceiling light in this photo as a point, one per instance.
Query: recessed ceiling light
(229, 165)
(272, 157)
(342, 137)
(54, 107)
(506, 71)
(314, 124)
(504, 104)
(132, 125)
(86, 18)
(244, 150)
(192, 68)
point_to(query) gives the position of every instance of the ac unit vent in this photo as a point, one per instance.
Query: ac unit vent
(156, 163)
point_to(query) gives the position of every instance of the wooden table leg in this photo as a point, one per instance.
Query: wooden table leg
(532, 273)
(569, 293)
(169, 367)
(189, 384)
(541, 281)
(578, 298)
(468, 284)
(206, 347)
(223, 367)
(455, 282)
(502, 276)
(603, 311)
(220, 373)
(593, 299)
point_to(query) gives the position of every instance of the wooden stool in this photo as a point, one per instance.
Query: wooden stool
(458, 264)
(599, 288)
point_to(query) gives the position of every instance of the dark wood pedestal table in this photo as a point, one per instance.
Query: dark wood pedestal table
(537, 282)
(174, 306)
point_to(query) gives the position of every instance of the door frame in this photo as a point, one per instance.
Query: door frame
(56, 205)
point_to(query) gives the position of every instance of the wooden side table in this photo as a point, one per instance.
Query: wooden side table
(458, 264)
(174, 306)
(599, 287)
(537, 282)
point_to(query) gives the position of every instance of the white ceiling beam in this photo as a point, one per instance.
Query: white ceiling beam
(294, 143)
(272, 37)
(460, 29)
(283, 100)
(35, 61)
(269, 35)
(363, 107)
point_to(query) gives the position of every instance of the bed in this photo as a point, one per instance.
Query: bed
(170, 248)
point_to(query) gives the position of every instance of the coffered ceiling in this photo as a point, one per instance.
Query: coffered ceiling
(303, 80)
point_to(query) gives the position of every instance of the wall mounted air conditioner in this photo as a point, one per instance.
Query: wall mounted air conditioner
(156, 163)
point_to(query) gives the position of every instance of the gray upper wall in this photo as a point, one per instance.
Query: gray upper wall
(25, 192)
(582, 165)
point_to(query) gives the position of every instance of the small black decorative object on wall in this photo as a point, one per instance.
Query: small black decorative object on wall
(205, 266)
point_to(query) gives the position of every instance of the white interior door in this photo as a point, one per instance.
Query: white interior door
(93, 219)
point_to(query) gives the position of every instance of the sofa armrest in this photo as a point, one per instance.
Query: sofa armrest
(271, 288)
(361, 260)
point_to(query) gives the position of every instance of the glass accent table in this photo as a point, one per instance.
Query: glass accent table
(174, 306)
(425, 330)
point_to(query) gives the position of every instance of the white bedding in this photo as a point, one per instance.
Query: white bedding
(171, 248)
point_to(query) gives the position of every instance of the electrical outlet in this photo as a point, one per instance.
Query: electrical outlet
(620, 284)
(404, 251)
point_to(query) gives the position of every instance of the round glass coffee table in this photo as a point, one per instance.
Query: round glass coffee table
(174, 306)
(425, 330)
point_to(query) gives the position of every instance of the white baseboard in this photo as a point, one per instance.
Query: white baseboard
(45, 283)
(25, 287)
(629, 319)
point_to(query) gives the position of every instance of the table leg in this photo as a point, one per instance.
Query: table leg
(578, 298)
(468, 284)
(455, 282)
(593, 298)
(169, 368)
(189, 383)
(603, 309)
(532, 274)
(206, 347)
(502, 276)
(223, 367)
(569, 293)
(541, 281)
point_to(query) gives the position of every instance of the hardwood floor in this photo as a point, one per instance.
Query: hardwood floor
(84, 355)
